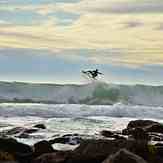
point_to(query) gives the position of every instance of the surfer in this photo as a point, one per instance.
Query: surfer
(92, 73)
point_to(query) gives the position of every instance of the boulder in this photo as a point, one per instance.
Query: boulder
(146, 125)
(95, 151)
(111, 134)
(14, 131)
(153, 136)
(140, 123)
(42, 147)
(30, 130)
(16, 150)
(157, 127)
(40, 126)
(124, 156)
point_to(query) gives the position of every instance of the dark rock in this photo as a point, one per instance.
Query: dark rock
(14, 131)
(95, 151)
(30, 130)
(42, 147)
(107, 133)
(40, 126)
(111, 134)
(139, 134)
(18, 150)
(154, 128)
(140, 123)
(71, 135)
(23, 135)
(124, 156)
(20, 130)
(146, 125)
(58, 157)
(153, 136)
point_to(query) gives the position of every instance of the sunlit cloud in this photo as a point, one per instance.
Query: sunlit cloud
(125, 32)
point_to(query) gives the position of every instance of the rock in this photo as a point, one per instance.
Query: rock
(111, 134)
(19, 130)
(17, 150)
(107, 133)
(139, 134)
(40, 126)
(155, 136)
(42, 147)
(140, 123)
(23, 135)
(14, 131)
(154, 128)
(30, 130)
(58, 157)
(95, 151)
(124, 156)
(12, 145)
(146, 125)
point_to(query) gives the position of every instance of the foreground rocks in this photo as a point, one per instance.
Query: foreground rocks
(130, 146)
(124, 156)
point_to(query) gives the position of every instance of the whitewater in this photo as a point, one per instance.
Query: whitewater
(76, 109)
(61, 119)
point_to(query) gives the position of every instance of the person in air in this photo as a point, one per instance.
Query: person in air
(93, 73)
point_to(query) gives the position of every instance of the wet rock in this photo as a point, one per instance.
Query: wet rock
(95, 151)
(58, 157)
(111, 134)
(23, 135)
(107, 133)
(30, 130)
(40, 126)
(42, 147)
(124, 156)
(19, 130)
(12, 145)
(154, 128)
(155, 136)
(19, 151)
(146, 125)
(139, 134)
(14, 131)
(140, 123)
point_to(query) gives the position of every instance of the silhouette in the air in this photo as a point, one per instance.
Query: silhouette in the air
(92, 73)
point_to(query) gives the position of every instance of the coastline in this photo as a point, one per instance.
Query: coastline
(140, 139)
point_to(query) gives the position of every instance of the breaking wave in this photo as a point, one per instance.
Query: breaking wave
(92, 94)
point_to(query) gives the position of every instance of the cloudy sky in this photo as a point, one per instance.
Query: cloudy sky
(53, 40)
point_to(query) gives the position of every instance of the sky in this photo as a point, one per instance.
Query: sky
(51, 41)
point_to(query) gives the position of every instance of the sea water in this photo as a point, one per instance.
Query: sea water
(80, 119)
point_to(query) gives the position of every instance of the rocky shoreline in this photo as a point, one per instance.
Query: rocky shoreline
(140, 142)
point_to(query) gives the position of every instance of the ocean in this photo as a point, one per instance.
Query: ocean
(76, 109)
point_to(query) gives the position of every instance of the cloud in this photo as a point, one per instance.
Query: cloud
(115, 38)
(115, 6)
